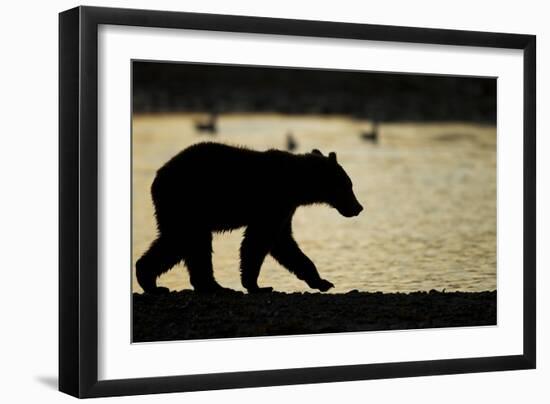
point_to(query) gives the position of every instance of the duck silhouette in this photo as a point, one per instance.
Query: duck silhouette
(209, 126)
(291, 143)
(372, 135)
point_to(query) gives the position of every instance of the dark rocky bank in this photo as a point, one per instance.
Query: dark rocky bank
(188, 315)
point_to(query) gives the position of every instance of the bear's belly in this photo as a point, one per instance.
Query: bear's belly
(224, 219)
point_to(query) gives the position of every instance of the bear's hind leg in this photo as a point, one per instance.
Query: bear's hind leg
(161, 256)
(198, 259)
(254, 248)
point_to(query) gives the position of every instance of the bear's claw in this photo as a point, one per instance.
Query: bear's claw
(324, 285)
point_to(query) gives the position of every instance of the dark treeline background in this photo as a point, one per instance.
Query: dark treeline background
(184, 87)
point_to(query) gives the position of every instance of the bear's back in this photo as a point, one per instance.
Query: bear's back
(208, 155)
(215, 169)
(223, 186)
(202, 160)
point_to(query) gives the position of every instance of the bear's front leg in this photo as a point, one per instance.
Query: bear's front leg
(287, 252)
(255, 246)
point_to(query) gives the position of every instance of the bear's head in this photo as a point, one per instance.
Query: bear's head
(337, 188)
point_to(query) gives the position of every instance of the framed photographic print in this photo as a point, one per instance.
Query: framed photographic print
(251, 201)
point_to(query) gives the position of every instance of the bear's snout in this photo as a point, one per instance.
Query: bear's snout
(351, 212)
(358, 209)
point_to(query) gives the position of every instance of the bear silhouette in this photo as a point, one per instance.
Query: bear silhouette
(212, 187)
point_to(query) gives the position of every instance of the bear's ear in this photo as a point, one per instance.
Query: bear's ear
(317, 152)
(332, 156)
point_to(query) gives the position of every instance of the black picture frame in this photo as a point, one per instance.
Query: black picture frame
(78, 201)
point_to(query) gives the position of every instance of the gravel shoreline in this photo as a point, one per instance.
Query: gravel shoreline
(188, 315)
